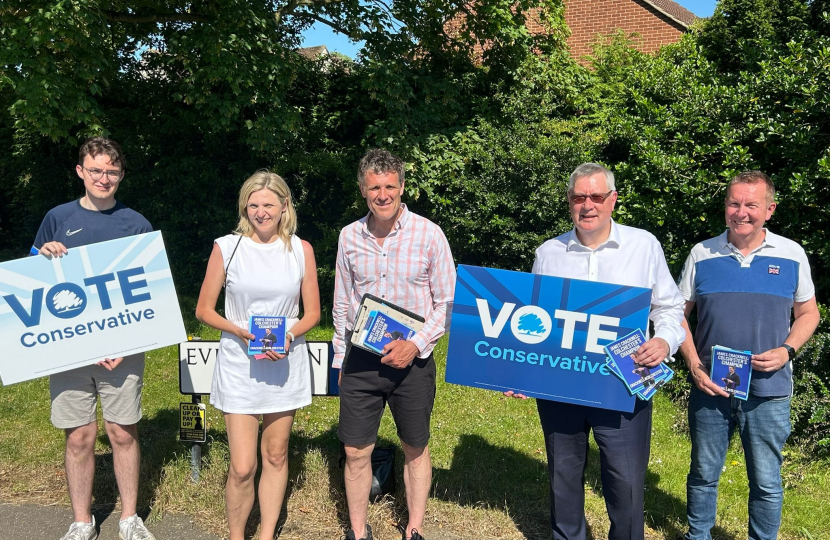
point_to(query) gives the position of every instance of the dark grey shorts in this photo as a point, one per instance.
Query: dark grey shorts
(367, 385)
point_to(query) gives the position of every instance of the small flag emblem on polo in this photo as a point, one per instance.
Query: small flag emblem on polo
(774, 269)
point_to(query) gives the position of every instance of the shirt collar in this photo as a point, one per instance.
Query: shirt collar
(723, 241)
(402, 220)
(613, 240)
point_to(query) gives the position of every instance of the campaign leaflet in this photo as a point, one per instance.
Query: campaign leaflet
(621, 360)
(732, 370)
(381, 329)
(269, 334)
(647, 393)
(648, 390)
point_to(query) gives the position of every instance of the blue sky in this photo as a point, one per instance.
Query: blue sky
(320, 34)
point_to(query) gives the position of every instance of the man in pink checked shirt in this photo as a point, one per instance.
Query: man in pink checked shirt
(405, 259)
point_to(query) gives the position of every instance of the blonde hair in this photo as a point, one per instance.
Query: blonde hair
(267, 180)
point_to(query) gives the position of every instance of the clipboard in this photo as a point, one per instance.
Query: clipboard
(371, 303)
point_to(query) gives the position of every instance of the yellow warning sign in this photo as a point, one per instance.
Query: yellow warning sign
(192, 424)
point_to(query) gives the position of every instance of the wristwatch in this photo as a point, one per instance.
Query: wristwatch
(790, 351)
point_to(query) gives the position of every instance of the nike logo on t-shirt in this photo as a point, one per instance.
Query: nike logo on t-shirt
(70, 233)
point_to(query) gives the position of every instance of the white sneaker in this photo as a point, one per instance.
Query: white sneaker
(133, 528)
(81, 531)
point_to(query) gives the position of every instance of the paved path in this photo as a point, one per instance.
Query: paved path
(35, 522)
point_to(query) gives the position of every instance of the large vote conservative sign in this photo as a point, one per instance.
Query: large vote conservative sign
(98, 301)
(542, 336)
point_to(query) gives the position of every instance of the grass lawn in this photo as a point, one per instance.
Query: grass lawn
(490, 476)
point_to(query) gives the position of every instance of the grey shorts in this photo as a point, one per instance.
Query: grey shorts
(74, 393)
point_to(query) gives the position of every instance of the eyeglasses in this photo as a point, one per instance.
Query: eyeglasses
(97, 174)
(596, 198)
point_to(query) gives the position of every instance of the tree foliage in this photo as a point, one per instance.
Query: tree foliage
(490, 118)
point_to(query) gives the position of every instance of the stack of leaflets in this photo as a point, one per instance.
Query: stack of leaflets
(641, 381)
(269, 334)
(732, 370)
(380, 329)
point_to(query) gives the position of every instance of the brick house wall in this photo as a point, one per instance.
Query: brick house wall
(587, 18)
(658, 22)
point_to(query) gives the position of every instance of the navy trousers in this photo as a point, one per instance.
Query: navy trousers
(624, 441)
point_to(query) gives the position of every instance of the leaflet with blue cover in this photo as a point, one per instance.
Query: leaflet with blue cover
(732, 370)
(269, 334)
(646, 393)
(370, 308)
(384, 329)
(648, 390)
(621, 354)
(541, 336)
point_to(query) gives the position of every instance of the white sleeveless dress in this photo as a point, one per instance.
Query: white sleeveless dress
(262, 279)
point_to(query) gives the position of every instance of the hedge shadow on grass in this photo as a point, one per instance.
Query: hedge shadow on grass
(158, 438)
(160, 445)
(328, 444)
(663, 511)
(484, 475)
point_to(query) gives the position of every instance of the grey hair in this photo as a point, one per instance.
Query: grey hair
(590, 169)
(380, 161)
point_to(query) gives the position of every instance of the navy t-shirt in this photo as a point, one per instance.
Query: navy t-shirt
(73, 225)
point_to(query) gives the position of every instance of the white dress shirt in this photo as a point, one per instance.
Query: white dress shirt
(630, 257)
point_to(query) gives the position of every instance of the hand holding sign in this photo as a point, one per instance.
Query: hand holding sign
(53, 249)
(110, 363)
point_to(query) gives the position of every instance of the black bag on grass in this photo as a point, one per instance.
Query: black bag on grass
(383, 471)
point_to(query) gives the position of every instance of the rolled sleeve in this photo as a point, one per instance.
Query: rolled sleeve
(667, 305)
(343, 280)
(442, 288)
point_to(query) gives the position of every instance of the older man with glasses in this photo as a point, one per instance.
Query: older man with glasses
(598, 249)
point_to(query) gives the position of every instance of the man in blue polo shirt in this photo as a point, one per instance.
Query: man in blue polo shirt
(97, 217)
(746, 283)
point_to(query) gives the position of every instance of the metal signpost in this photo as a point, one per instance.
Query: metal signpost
(197, 359)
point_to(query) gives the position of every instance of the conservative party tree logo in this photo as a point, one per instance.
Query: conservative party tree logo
(65, 301)
(531, 324)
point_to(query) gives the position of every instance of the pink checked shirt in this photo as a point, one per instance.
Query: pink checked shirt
(414, 270)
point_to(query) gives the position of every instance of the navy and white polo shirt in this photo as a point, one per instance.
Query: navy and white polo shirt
(745, 303)
(73, 225)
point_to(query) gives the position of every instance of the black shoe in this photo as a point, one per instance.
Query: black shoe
(414, 535)
(350, 534)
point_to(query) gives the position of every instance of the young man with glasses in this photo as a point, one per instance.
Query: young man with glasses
(97, 217)
(598, 249)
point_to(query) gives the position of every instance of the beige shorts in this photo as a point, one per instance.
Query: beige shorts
(74, 393)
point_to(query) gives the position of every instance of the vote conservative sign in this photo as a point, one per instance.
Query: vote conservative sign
(99, 301)
(542, 336)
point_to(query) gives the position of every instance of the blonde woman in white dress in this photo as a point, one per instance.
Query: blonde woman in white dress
(266, 270)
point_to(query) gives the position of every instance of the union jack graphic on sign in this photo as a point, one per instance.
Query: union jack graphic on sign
(774, 269)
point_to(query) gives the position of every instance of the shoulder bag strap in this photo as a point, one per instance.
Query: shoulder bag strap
(231, 260)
